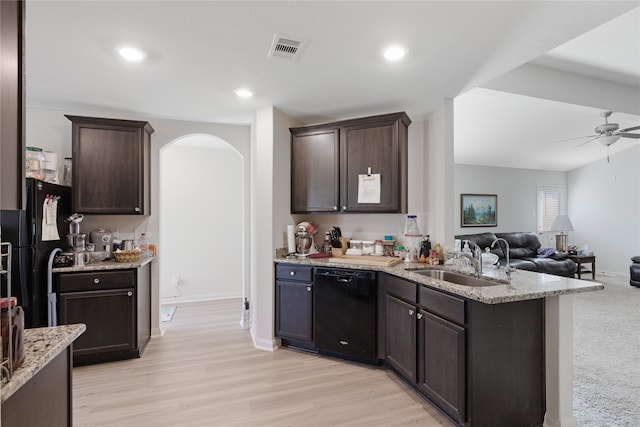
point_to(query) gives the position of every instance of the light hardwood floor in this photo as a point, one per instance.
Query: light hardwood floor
(205, 372)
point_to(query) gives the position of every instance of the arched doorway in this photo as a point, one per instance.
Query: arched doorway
(201, 191)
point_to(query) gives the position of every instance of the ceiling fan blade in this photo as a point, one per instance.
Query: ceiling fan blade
(629, 135)
(579, 137)
(586, 142)
(628, 129)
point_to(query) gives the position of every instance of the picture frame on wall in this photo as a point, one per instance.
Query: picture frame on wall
(478, 210)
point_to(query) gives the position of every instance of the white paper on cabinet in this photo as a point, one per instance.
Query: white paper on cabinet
(369, 188)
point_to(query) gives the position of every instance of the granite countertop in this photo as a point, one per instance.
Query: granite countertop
(41, 345)
(104, 265)
(524, 285)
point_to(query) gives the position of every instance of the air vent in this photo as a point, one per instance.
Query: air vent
(286, 47)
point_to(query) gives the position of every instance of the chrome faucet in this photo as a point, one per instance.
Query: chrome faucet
(476, 258)
(508, 269)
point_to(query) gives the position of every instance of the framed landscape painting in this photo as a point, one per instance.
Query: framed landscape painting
(478, 210)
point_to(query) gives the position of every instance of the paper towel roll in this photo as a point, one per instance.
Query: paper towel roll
(291, 239)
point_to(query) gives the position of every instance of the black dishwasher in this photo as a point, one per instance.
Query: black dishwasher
(345, 313)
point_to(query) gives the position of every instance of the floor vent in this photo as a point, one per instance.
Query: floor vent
(286, 47)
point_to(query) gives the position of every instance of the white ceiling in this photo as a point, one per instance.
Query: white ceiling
(198, 52)
(496, 128)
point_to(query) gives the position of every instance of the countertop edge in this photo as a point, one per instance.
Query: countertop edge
(524, 285)
(42, 345)
(104, 265)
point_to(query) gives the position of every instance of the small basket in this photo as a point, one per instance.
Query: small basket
(127, 256)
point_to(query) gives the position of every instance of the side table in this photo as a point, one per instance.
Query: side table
(584, 260)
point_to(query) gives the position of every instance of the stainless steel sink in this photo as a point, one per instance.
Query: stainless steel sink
(458, 279)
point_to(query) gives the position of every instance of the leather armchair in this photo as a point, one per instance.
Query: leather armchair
(634, 271)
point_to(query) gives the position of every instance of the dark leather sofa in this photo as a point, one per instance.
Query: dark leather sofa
(523, 253)
(635, 271)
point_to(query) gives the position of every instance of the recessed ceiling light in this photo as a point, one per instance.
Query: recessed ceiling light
(131, 53)
(394, 53)
(243, 92)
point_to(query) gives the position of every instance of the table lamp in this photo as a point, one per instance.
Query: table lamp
(562, 223)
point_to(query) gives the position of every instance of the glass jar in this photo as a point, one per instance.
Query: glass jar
(367, 247)
(411, 226)
(34, 163)
(355, 244)
(379, 249)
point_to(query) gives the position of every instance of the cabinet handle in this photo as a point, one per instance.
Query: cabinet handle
(308, 288)
(419, 316)
(137, 209)
(292, 273)
(129, 293)
(335, 208)
(96, 281)
(410, 312)
(344, 208)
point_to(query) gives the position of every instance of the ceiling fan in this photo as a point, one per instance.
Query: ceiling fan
(607, 133)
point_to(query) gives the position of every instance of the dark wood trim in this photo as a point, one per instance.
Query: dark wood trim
(12, 104)
(356, 121)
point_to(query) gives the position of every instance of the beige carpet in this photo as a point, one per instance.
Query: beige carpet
(607, 355)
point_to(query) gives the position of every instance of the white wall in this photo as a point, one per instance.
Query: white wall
(202, 223)
(517, 195)
(604, 207)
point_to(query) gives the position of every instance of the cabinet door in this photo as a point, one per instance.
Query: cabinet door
(294, 314)
(109, 316)
(441, 363)
(110, 165)
(401, 337)
(375, 147)
(314, 171)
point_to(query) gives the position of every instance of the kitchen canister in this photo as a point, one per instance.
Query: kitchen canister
(34, 163)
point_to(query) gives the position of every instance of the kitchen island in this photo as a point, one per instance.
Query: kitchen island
(40, 391)
(490, 327)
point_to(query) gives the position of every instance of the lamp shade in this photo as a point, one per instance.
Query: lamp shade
(562, 223)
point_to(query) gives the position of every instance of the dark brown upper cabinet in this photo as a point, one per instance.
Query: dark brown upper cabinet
(111, 166)
(328, 159)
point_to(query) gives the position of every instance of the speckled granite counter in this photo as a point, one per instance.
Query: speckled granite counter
(524, 285)
(41, 345)
(103, 265)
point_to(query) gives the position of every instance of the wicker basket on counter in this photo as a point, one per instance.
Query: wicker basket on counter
(127, 256)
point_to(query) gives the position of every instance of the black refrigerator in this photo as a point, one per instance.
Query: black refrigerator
(30, 253)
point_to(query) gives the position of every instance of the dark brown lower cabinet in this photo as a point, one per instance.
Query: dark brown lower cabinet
(294, 319)
(401, 337)
(294, 305)
(110, 319)
(115, 306)
(481, 364)
(441, 363)
(44, 400)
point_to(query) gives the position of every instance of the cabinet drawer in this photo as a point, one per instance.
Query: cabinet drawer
(446, 306)
(401, 288)
(299, 273)
(96, 280)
